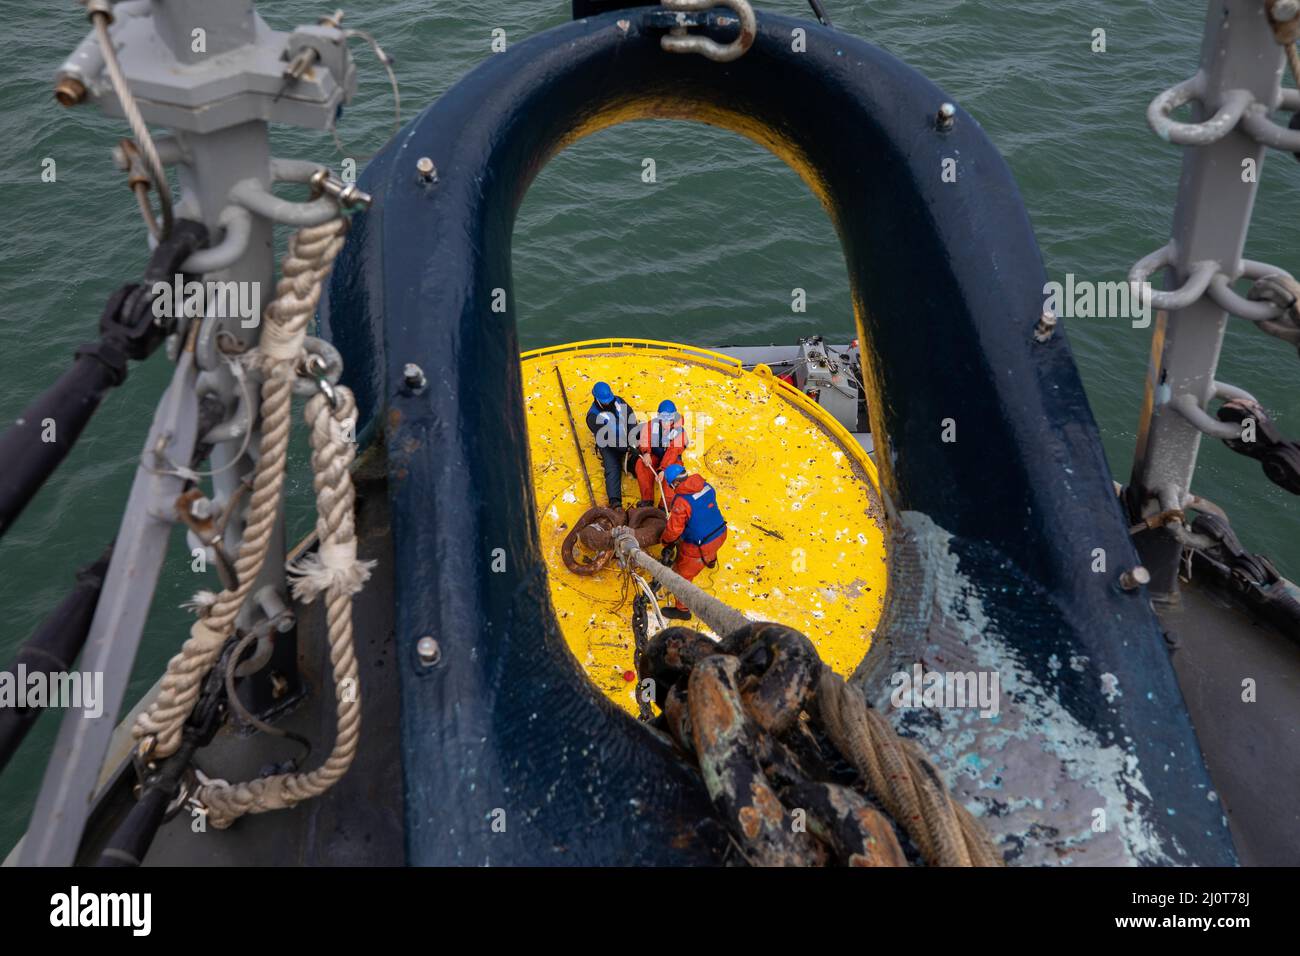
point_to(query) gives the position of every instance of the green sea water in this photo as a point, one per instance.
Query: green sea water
(600, 252)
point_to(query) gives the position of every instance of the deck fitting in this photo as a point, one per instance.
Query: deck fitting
(429, 651)
(414, 377)
(1046, 326)
(1134, 579)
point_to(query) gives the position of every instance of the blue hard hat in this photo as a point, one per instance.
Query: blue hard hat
(667, 411)
(602, 393)
(674, 473)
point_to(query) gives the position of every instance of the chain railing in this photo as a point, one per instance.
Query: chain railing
(1274, 313)
(1233, 94)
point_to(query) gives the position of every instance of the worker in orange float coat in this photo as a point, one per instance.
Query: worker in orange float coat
(663, 439)
(695, 524)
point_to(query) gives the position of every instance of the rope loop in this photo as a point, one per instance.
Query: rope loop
(333, 572)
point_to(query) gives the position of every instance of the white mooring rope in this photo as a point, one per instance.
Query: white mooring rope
(335, 571)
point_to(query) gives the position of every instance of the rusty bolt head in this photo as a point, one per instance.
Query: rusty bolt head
(413, 375)
(201, 508)
(429, 651)
(946, 117)
(1046, 326)
(428, 172)
(69, 91)
(1135, 578)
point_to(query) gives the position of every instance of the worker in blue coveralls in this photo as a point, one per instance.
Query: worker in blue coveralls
(613, 423)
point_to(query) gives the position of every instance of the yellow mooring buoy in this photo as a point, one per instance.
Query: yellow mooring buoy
(805, 531)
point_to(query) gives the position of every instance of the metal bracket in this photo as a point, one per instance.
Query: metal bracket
(205, 92)
(64, 799)
(678, 41)
(213, 72)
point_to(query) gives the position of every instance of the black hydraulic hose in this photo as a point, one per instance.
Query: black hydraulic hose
(161, 785)
(34, 446)
(1286, 614)
(133, 837)
(53, 648)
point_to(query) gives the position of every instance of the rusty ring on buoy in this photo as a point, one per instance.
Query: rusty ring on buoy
(648, 522)
(595, 530)
(610, 519)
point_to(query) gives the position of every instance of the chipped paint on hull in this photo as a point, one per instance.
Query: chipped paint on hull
(1034, 773)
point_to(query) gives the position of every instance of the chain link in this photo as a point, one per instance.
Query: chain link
(742, 709)
(1239, 110)
(1273, 302)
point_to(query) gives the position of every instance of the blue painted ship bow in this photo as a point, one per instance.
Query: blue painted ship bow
(510, 755)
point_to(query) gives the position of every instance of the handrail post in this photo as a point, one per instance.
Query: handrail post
(200, 67)
(1216, 196)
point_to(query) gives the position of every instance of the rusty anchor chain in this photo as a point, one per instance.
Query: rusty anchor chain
(748, 709)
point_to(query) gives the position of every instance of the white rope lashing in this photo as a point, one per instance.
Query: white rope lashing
(334, 571)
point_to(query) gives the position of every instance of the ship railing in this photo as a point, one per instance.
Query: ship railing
(732, 366)
(1238, 85)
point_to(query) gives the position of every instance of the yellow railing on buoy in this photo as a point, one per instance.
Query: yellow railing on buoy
(724, 363)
